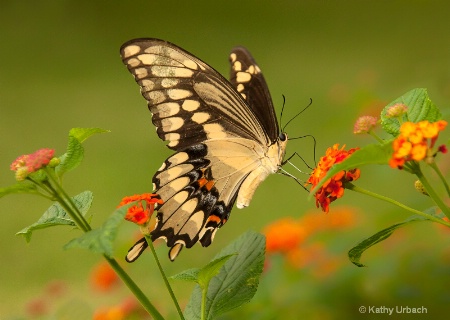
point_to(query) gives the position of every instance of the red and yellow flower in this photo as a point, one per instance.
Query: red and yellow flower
(416, 142)
(29, 163)
(143, 210)
(333, 188)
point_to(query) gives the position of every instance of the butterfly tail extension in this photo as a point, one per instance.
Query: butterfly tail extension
(136, 250)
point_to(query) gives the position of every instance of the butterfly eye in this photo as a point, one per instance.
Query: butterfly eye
(282, 136)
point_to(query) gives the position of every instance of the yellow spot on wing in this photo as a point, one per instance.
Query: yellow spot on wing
(178, 158)
(156, 96)
(200, 117)
(169, 82)
(190, 105)
(164, 71)
(178, 94)
(131, 51)
(140, 73)
(214, 131)
(133, 62)
(243, 77)
(147, 85)
(171, 124)
(167, 109)
(190, 64)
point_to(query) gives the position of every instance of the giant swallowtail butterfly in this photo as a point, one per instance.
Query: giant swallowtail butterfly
(224, 133)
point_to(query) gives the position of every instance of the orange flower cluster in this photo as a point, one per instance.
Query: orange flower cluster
(103, 277)
(138, 213)
(127, 309)
(416, 142)
(289, 236)
(30, 163)
(333, 188)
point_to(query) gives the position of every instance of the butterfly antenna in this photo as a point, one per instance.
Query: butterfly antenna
(310, 103)
(314, 150)
(282, 109)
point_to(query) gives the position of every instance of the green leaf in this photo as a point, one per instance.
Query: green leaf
(420, 107)
(211, 270)
(81, 134)
(370, 154)
(21, 187)
(101, 240)
(75, 151)
(355, 253)
(237, 280)
(187, 275)
(57, 216)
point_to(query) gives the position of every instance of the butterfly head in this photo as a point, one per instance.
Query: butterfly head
(281, 144)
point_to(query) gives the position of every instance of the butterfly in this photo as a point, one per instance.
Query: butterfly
(224, 133)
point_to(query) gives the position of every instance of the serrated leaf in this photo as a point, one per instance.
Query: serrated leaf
(237, 280)
(420, 107)
(355, 253)
(21, 187)
(101, 240)
(187, 275)
(57, 216)
(370, 154)
(75, 151)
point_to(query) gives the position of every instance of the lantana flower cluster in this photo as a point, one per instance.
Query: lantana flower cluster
(416, 141)
(291, 236)
(143, 210)
(29, 163)
(333, 188)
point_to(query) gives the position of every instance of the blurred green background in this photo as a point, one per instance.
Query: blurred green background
(60, 68)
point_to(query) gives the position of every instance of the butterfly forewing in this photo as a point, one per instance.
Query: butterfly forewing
(247, 78)
(220, 140)
(189, 100)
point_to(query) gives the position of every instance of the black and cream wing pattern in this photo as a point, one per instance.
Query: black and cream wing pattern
(224, 133)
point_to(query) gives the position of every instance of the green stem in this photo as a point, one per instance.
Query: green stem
(373, 134)
(68, 209)
(352, 187)
(148, 306)
(43, 189)
(75, 211)
(441, 176)
(431, 192)
(169, 288)
(203, 306)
